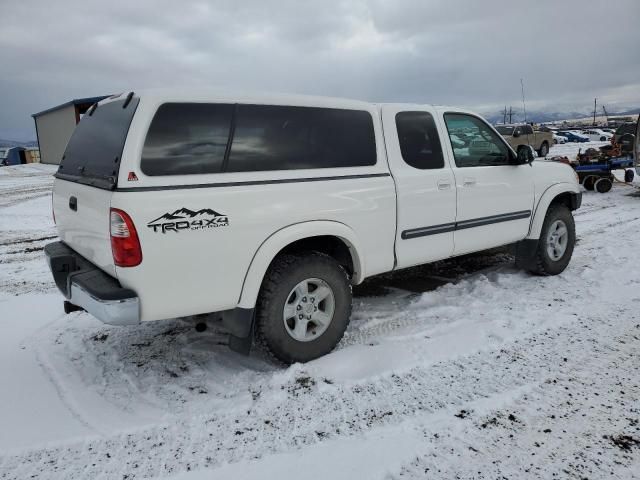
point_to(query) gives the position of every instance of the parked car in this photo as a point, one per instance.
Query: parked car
(521, 135)
(285, 203)
(13, 156)
(557, 138)
(597, 135)
(573, 136)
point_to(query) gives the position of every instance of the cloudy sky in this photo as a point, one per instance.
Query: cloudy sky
(469, 53)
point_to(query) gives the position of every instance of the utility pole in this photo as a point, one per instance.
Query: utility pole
(524, 108)
(595, 106)
(504, 115)
(510, 114)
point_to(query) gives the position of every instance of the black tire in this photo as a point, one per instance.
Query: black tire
(603, 139)
(545, 265)
(603, 185)
(544, 149)
(588, 182)
(555, 141)
(285, 273)
(629, 175)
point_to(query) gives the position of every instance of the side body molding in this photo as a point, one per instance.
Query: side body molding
(545, 200)
(287, 235)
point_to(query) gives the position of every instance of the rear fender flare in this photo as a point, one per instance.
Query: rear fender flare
(286, 236)
(543, 205)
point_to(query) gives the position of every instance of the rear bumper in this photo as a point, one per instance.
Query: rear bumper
(86, 286)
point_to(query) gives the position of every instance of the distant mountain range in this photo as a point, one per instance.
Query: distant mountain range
(14, 143)
(540, 117)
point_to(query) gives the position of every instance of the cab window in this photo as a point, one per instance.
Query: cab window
(484, 148)
(187, 138)
(419, 142)
(273, 137)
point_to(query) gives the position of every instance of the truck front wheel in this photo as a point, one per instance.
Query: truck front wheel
(303, 308)
(557, 239)
(544, 149)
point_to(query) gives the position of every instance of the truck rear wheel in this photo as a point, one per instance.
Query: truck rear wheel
(557, 239)
(303, 308)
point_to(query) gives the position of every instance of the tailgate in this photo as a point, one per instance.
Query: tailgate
(87, 176)
(82, 219)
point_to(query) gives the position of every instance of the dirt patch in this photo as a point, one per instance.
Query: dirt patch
(624, 442)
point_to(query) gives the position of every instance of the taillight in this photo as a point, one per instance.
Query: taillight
(125, 245)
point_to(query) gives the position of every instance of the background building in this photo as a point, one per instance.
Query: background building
(55, 125)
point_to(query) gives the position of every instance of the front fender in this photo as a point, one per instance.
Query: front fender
(286, 236)
(545, 200)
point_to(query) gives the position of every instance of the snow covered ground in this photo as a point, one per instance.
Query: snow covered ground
(464, 369)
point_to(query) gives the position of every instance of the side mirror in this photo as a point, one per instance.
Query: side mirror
(525, 154)
(516, 133)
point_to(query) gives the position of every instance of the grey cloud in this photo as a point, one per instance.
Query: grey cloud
(470, 53)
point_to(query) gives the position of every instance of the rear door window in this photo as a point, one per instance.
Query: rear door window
(187, 138)
(419, 141)
(268, 137)
(93, 153)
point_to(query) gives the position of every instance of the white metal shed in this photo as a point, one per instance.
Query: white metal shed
(55, 125)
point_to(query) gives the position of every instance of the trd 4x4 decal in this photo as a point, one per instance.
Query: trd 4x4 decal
(185, 219)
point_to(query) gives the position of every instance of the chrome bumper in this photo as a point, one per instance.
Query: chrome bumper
(86, 286)
(111, 312)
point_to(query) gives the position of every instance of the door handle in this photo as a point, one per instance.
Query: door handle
(469, 182)
(444, 185)
(73, 203)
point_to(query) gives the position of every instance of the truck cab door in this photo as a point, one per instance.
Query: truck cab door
(494, 194)
(425, 185)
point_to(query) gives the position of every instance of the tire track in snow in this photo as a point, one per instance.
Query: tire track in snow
(545, 430)
(302, 410)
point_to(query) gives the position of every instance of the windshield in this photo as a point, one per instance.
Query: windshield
(502, 130)
(93, 153)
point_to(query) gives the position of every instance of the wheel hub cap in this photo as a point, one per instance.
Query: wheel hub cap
(557, 240)
(308, 309)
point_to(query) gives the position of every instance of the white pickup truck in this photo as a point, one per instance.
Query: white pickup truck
(265, 209)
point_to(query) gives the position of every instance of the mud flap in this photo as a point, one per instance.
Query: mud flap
(525, 253)
(241, 345)
(239, 322)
